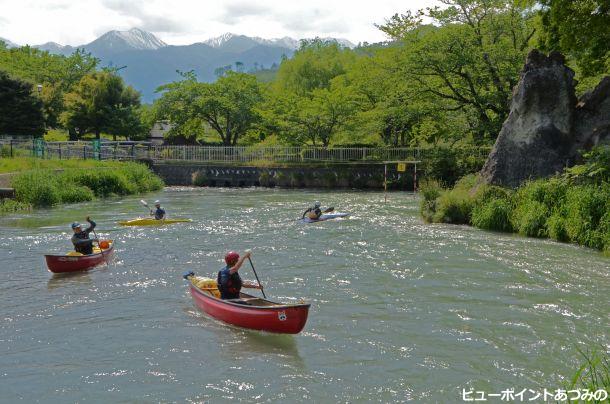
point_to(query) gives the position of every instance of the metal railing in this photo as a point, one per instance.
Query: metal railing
(223, 154)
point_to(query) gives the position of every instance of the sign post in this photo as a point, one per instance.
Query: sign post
(38, 147)
(97, 148)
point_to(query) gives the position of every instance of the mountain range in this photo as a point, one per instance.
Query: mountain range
(146, 62)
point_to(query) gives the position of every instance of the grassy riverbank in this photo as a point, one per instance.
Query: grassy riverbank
(573, 207)
(42, 183)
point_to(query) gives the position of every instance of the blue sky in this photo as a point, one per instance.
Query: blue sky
(71, 22)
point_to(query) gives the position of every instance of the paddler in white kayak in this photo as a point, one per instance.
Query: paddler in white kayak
(315, 212)
(159, 212)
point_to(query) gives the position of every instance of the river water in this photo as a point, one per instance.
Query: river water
(400, 311)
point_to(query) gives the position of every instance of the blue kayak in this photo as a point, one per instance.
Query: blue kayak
(326, 216)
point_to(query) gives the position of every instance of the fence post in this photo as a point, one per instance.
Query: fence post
(84, 152)
(133, 152)
(11, 147)
(59, 150)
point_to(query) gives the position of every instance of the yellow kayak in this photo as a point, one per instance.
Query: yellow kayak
(147, 221)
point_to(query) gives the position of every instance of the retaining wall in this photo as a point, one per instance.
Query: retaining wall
(360, 176)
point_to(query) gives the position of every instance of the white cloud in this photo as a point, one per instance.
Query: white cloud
(188, 21)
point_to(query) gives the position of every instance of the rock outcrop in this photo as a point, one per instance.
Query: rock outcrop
(547, 125)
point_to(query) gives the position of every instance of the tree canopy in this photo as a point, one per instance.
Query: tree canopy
(20, 110)
(226, 106)
(101, 102)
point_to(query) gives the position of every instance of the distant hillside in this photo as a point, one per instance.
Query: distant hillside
(146, 62)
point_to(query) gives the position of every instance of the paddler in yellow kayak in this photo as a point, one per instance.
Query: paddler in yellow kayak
(82, 243)
(159, 212)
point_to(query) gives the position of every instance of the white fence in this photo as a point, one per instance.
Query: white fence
(222, 154)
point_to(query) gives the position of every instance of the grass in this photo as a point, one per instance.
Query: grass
(38, 185)
(573, 207)
(593, 375)
(18, 164)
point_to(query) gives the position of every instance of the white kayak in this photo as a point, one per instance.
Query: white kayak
(326, 216)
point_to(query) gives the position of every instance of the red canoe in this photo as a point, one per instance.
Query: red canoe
(253, 313)
(72, 263)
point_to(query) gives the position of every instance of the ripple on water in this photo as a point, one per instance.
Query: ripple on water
(400, 310)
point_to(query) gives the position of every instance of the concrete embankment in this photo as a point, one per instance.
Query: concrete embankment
(359, 176)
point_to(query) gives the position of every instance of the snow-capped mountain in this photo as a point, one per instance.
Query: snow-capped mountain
(149, 62)
(285, 42)
(118, 41)
(54, 47)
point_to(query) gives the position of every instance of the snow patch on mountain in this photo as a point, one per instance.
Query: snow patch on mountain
(285, 42)
(135, 38)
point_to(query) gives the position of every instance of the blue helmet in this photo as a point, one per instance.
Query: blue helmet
(75, 225)
(317, 204)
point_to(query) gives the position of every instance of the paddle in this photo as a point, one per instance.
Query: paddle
(255, 274)
(143, 202)
(329, 210)
(99, 245)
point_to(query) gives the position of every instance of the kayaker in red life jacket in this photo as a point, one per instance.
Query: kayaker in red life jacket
(82, 243)
(229, 281)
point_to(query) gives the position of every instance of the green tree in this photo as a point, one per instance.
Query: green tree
(311, 101)
(226, 106)
(101, 102)
(20, 110)
(580, 29)
(469, 60)
(57, 74)
(316, 118)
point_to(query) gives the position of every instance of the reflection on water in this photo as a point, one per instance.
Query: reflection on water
(400, 310)
(69, 280)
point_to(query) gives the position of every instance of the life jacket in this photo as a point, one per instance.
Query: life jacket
(83, 248)
(229, 286)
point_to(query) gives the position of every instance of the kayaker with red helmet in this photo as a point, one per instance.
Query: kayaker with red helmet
(82, 243)
(229, 281)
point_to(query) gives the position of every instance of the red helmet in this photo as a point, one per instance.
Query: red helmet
(231, 257)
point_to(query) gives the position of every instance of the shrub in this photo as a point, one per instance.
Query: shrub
(199, 179)
(486, 193)
(529, 218)
(494, 214)
(454, 206)
(104, 182)
(37, 188)
(556, 227)
(586, 205)
(12, 206)
(430, 190)
(42, 187)
(71, 193)
(144, 179)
